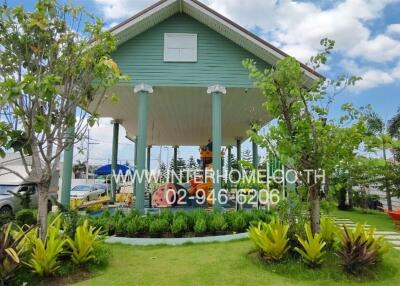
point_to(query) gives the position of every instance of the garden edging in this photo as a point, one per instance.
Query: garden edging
(175, 241)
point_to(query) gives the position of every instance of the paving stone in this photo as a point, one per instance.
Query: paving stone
(392, 237)
(383, 232)
(395, 242)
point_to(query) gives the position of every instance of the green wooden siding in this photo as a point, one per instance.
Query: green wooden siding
(219, 60)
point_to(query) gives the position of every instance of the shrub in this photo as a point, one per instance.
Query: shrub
(218, 223)
(158, 225)
(6, 218)
(83, 243)
(179, 225)
(134, 213)
(328, 230)
(200, 226)
(167, 214)
(271, 239)
(101, 255)
(199, 213)
(313, 246)
(118, 214)
(45, 254)
(10, 252)
(360, 249)
(70, 221)
(120, 226)
(26, 216)
(131, 228)
(239, 223)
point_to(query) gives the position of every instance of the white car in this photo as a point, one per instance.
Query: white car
(10, 204)
(88, 192)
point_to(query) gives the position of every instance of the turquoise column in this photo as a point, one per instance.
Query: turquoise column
(216, 92)
(175, 161)
(134, 163)
(229, 166)
(142, 91)
(114, 159)
(255, 165)
(148, 158)
(67, 167)
(238, 158)
(135, 154)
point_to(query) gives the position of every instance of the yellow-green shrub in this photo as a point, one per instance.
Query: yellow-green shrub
(44, 257)
(328, 230)
(86, 237)
(10, 251)
(313, 246)
(271, 239)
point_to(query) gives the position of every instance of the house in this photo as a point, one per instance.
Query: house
(188, 82)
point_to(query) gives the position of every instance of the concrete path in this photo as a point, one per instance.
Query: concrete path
(175, 241)
(391, 236)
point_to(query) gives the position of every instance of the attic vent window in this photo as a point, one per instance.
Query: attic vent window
(180, 47)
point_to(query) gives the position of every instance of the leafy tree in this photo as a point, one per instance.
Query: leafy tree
(381, 138)
(191, 165)
(78, 169)
(394, 131)
(247, 156)
(163, 172)
(180, 168)
(50, 63)
(304, 137)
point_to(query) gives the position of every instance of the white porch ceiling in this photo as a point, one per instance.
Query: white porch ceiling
(182, 115)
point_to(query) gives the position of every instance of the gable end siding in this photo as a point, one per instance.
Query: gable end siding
(219, 60)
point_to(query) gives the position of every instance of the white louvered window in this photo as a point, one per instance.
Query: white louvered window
(180, 47)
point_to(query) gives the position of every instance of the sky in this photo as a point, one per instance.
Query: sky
(366, 32)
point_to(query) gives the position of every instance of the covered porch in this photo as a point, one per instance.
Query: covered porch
(182, 116)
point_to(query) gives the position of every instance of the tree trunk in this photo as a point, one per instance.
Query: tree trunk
(42, 208)
(314, 208)
(388, 194)
(349, 189)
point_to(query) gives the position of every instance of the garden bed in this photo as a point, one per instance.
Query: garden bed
(180, 224)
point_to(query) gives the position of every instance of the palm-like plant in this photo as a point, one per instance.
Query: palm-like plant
(86, 237)
(271, 239)
(313, 247)
(10, 252)
(384, 136)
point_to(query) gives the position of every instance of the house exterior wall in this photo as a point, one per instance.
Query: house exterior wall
(219, 59)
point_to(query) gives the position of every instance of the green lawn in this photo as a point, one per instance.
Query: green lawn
(231, 263)
(378, 219)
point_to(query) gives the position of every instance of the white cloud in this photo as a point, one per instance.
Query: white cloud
(118, 9)
(393, 29)
(100, 152)
(380, 49)
(371, 76)
(299, 26)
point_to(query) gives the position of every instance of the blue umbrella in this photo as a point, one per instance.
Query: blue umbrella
(106, 170)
